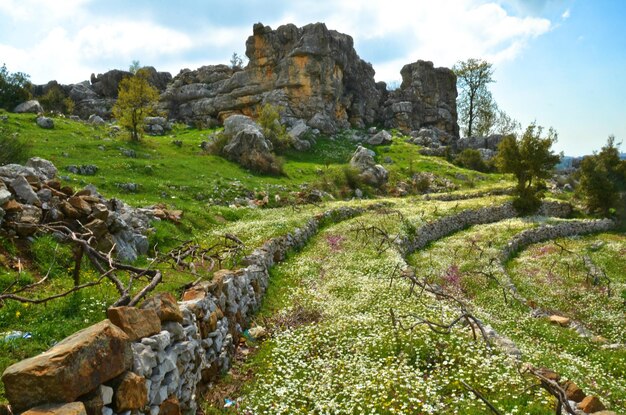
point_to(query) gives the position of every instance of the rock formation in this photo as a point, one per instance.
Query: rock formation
(312, 73)
(426, 98)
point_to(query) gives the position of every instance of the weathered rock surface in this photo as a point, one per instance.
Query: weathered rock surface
(32, 106)
(370, 172)
(73, 367)
(74, 408)
(591, 404)
(312, 72)
(135, 322)
(130, 392)
(165, 306)
(45, 122)
(426, 98)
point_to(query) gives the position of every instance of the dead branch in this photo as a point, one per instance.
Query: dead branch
(481, 397)
(552, 387)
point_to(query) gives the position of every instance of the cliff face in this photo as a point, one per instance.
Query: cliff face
(426, 98)
(313, 73)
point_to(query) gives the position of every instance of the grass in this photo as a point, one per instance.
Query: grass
(334, 348)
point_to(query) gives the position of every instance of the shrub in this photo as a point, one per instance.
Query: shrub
(14, 88)
(262, 163)
(136, 100)
(215, 144)
(12, 148)
(471, 159)
(352, 177)
(56, 100)
(273, 130)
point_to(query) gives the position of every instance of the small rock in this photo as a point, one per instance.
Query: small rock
(257, 332)
(573, 392)
(45, 122)
(170, 406)
(560, 320)
(382, 137)
(31, 106)
(130, 392)
(95, 120)
(591, 404)
(166, 307)
(24, 191)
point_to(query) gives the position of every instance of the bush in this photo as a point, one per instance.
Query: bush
(14, 88)
(12, 148)
(471, 159)
(215, 144)
(273, 130)
(262, 163)
(352, 177)
(56, 100)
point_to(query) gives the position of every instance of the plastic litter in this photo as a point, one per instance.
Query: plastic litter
(15, 334)
(228, 403)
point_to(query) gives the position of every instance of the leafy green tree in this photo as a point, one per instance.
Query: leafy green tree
(14, 88)
(531, 160)
(602, 177)
(475, 101)
(136, 100)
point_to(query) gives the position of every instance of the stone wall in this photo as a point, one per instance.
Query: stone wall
(152, 359)
(448, 225)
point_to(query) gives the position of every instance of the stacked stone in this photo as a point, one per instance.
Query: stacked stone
(31, 196)
(151, 360)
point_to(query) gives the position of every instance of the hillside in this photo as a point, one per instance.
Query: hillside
(361, 317)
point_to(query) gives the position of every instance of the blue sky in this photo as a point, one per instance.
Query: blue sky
(559, 62)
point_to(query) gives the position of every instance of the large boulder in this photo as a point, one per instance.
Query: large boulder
(73, 367)
(371, 173)
(32, 106)
(307, 71)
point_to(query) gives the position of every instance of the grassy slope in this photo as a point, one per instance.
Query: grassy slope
(183, 178)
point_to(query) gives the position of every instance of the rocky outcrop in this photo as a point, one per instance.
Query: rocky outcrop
(426, 98)
(313, 73)
(97, 96)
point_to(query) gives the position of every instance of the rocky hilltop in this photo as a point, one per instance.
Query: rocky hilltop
(313, 73)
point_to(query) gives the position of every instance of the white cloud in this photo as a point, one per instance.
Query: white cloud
(70, 43)
(565, 15)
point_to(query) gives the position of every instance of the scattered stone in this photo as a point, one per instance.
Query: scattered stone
(135, 322)
(591, 404)
(257, 332)
(45, 122)
(170, 406)
(71, 368)
(84, 170)
(370, 172)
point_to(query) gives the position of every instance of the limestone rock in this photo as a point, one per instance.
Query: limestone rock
(24, 191)
(247, 144)
(383, 137)
(95, 120)
(135, 322)
(45, 122)
(308, 71)
(73, 367)
(426, 97)
(165, 306)
(573, 392)
(170, 406)
(45, 169)
(372, 173)
(591, 404)
(5, 196)
(560, 320)
(130, 392)
(74, 408)
(31, 106)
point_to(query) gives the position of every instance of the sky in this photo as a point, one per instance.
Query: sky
(560, 63)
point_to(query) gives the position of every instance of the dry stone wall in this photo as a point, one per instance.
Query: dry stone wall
(152, 360)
